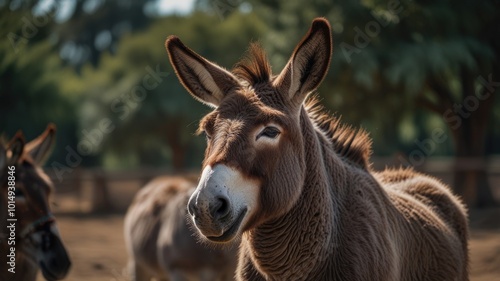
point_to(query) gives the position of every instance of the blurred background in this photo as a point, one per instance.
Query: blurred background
(421, 76)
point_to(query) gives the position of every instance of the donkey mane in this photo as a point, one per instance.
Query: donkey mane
(254, 67)
(352, 144)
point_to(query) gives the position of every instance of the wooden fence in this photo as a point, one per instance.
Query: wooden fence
(84, 191)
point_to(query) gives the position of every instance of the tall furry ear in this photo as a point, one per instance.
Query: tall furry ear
(308, 64)
(41, 147)
(204, 80)
(15, 148)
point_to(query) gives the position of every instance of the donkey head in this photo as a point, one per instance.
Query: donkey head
(254, 163)
(37, 235)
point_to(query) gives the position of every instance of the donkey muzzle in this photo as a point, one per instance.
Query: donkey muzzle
(221, 202)
(54, 261)
(209, 210)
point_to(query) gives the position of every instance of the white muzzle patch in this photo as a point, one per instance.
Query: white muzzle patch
(225, 182)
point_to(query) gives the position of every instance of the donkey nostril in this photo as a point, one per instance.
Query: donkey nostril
(221, 207)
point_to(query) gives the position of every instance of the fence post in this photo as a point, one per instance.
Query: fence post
(100, 200)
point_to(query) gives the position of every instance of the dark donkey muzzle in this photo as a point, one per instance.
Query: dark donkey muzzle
(54, 261)
(51, 254)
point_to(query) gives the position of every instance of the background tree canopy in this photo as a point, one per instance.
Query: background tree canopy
(420, 76)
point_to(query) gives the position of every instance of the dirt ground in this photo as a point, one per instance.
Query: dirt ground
(97, 249)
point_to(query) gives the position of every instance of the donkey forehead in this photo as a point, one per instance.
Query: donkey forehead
(243, 103)
(249, 106)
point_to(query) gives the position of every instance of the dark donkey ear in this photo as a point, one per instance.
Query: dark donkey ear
(309, 63)
(3, 158)
(204, 80)
(15, 148)
(40, 148)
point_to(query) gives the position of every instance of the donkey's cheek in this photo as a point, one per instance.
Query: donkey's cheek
(283, 185)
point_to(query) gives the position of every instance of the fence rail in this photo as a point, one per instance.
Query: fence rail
(98, 190)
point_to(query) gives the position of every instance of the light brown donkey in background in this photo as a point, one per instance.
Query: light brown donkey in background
(297, 187)
(160, 242)
(35, 236)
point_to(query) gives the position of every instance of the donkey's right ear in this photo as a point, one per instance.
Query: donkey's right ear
(40, 148)
(309, 63)
(15, 148)
(204, 80)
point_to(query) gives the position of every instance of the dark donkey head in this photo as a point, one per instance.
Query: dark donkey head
(254, 162)
(37, 235)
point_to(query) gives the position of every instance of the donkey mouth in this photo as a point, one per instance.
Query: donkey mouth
(229, 234)
(50, 274)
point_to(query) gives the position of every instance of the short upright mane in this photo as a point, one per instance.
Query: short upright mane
(254, 68)
(352, 144)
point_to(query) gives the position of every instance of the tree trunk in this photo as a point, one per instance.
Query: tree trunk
(469, 135)
(178, 147)
(468, 120)
(470, 180)
(178, 157)
(101, 201)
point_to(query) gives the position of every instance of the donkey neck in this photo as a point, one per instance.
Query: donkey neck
(300, 242)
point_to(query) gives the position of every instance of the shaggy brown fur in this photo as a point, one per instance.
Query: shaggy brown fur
(37, 238)
(322, 213)
(160, 242)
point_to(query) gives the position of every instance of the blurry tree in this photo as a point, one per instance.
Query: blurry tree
(86, 28)
(95, 26)
(391, 57)
(30, 96)
(137, 91)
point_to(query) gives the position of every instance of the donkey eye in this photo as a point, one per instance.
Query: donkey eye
(269, 132)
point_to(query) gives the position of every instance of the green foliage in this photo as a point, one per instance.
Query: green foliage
(391, 65)
(30, 95)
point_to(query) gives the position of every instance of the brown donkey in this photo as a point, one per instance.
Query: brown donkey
(35, 236)
(160, 242)
(297, 187)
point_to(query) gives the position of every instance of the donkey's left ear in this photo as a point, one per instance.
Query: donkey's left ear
(309, 63)
(40, 148)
